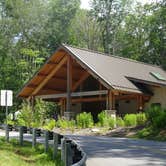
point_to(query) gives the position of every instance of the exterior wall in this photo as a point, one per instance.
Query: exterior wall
(158, 97)
(125, 107)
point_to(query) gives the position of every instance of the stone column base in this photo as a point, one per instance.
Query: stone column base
(112, 113)
(69, 115)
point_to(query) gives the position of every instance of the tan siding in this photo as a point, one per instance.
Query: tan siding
(158, 97)
(125, 108)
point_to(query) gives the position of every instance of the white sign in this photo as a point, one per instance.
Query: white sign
(6, 98)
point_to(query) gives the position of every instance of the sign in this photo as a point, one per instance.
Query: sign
(6, 98)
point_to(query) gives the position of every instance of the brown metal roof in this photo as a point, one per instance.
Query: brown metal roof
(115, 72)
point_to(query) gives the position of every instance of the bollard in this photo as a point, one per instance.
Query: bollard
(55, 145)
(63, 143)
(46, 141)
(21, 135)
(33, 137)
(7, 132)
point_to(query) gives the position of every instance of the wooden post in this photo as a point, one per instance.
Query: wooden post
(100, 88)
(140, 103)
(61, 107)
(111, 100)
(63, 143)
(33, 137)
(21, 135)
(107, 101)
(69, 83)
(55, 145)
(68, 153)
(46, 141)
(7, 132)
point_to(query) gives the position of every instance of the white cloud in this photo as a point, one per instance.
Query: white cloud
(85, 4)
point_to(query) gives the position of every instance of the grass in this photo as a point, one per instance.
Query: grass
(11, 154)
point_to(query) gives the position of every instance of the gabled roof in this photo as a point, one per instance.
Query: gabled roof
(115, 72)
(118, 71)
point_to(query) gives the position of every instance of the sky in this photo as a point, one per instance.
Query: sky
(85, 3)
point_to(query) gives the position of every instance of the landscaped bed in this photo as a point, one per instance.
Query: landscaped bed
(12, 154)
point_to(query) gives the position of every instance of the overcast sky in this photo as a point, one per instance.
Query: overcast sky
(85, 3)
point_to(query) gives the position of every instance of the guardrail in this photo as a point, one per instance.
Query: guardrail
(71, 153)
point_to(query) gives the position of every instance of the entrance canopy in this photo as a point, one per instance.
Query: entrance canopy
(110, 78)
(113, 72)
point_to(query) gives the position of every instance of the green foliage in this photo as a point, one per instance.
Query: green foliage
(111, 122)
(152, 134)
(105, 120)
(120, 122)
(14, 154)
(84, 120)
(50, 124)
(65, 124)
(152, 113)
(25, 117)
(157, 117)
(36, 117)
(141, 118)
(62, 123)
(130, 120)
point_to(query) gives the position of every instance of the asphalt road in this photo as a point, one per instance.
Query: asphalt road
(107, 151)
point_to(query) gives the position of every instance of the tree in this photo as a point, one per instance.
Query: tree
(60, 16)
(110, 14)
(85, 31)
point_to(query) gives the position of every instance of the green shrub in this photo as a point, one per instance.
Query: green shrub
(160, 120)
(120, 122)
(62, 123)
(143, 133)
(152, 113)
(111, 122)
(105, 120)
(71, 124)
(156, 117)
(84, 120)
(130, 120)
(50, 124)
(25, 117)
(141, 118)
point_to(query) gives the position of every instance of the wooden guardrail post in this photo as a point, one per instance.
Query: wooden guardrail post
(33, 137)
(63, 143)
(68, 154)
(55, 145)
(46, 141)
(21, 135)
(7, 132)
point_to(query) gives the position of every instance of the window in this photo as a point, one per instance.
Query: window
(158, 76)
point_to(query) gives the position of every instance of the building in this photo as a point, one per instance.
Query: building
(83, 80)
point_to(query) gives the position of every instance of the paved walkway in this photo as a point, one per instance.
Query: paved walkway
(107, 151)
